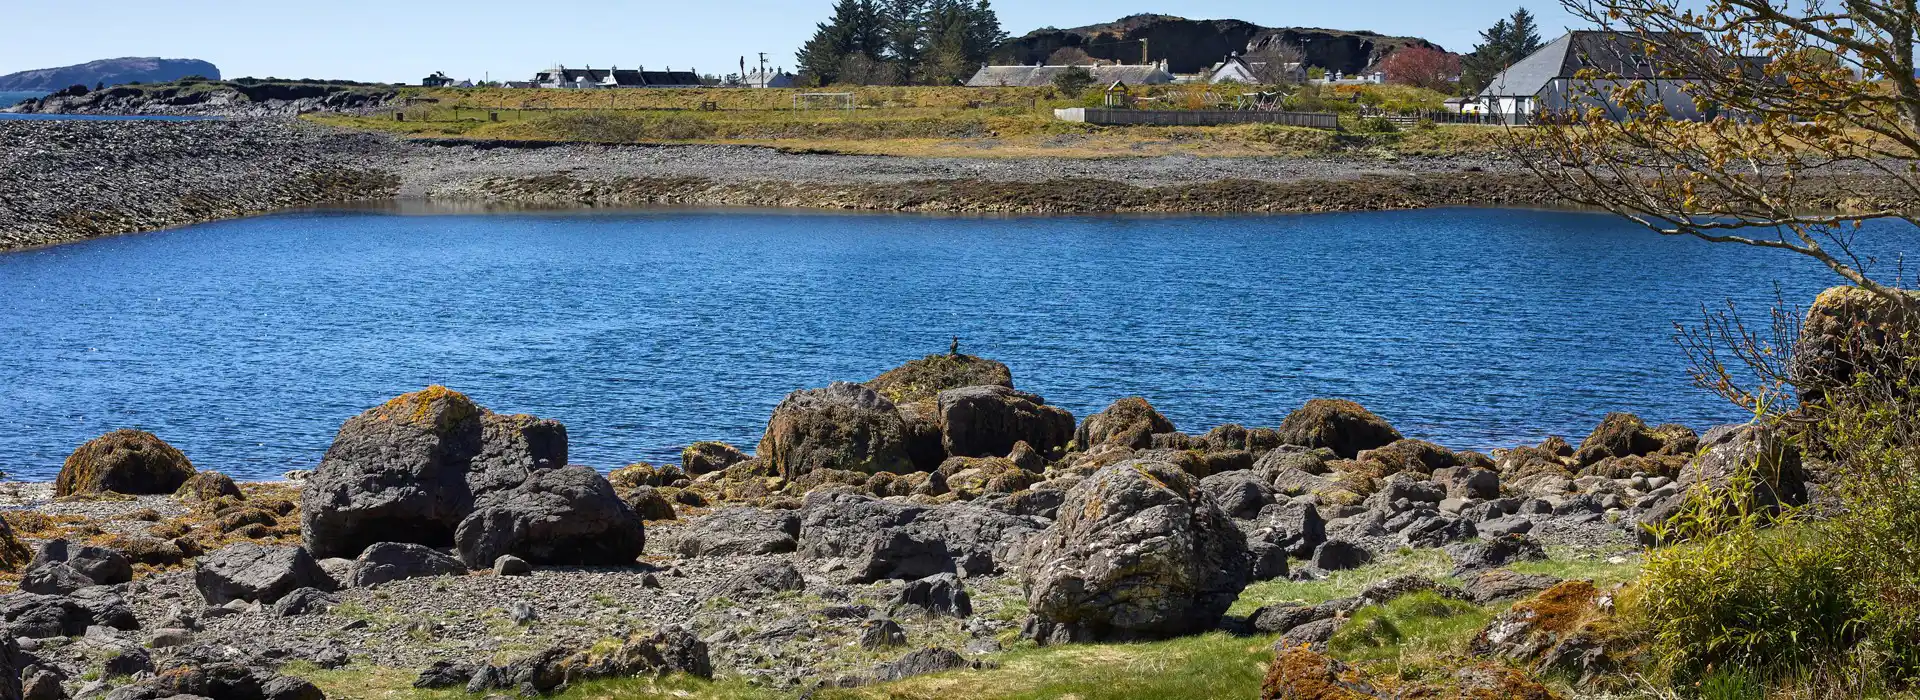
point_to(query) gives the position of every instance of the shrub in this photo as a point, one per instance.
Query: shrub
(1072, 80)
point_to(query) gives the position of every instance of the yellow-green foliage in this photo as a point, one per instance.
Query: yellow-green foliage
(1748, 598)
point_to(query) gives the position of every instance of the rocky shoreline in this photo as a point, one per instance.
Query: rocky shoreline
(63, 181)
(925, 520)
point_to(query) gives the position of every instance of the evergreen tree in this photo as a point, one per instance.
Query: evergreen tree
(906, 34)
(858, 28)
(960, 35)
(1502, 45)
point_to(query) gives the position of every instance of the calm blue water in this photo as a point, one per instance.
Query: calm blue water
(247, 342)
(9, 99)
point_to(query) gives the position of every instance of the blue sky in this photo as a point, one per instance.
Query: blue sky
(402, 40)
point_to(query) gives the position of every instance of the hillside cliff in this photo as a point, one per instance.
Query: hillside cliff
(112, 71)
(1190, 46)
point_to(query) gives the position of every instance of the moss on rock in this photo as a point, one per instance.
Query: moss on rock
(123, 461)
(924, 379)
(207, 486)
(1337, 424)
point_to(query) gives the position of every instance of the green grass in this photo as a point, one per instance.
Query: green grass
(1214, 665)
(1429, 562)
(1415, 630)
(1570, 565)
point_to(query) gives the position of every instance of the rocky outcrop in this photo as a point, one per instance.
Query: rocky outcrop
(706, 457)
(923, 379)
(1191, 46)
(1140, 551)
(987, 421)
(843, 426)
(569, 515)
(61, 567)
(1336, 424)
(741, 531)
(876, 539)
(1130, 422)
(194, 98)
(123, 461)
(411, 469)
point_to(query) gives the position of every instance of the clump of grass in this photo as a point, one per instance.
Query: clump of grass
(1432, 563)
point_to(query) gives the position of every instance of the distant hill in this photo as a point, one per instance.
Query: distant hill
(112, 71)
(1190, 46)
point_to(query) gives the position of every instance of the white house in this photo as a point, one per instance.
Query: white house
(1237, 69)
(1549, 80)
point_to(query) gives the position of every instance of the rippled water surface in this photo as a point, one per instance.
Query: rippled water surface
(247, 342)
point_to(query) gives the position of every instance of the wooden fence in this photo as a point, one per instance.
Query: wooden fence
(1196, 117)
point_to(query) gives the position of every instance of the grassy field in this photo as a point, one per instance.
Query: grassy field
(956, 122)
(1408, 637)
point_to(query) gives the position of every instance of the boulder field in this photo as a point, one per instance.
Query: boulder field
(935, 507)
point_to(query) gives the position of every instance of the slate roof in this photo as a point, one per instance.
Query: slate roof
(622, 78)
(1041, 76)
(1607, 52)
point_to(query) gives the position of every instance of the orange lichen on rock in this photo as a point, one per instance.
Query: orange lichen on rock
(435, 408)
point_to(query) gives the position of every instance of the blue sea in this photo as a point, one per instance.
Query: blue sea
(9, 99)
(247, 342)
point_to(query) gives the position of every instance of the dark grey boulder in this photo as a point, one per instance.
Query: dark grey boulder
(1140, 552)
(987, 421)
(569, 515)
(444, 674)
(1240, 493)
(53, 578)
(1275, 619)
(1498, 551)
(304, 601)
(1505, 525)
(758, 581)
(1500, 584)
(510, 565)
(939, 594)
(881, 634)
(1340, 555)
(880, 539)
(394, 561)
(1295, 526)
(409, 470)
(920, 663)
(41, 616)
(256, 573)
(740, 531)
(1130, 422)
(1438, 531)
(1312, 635)
(101, 565)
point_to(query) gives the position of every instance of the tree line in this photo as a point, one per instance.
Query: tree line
(901, 42)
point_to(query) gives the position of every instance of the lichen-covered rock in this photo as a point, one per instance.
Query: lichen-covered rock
(1240, 493)
(1618, 435)
(1301, 674)
(843, 426)
(1337, 424)
(256, 573)
(648, 503)
(1568, 629)
(987, 421)
(207, 486)
(1500, 584)
(1140, 551)
(569, 515)
(972, 478)
(123, 461)
(923, 379)
(1848, 331)
(1417, 456)
(1130, 422)
(919, 663)
(708, 457)
(409, 470)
